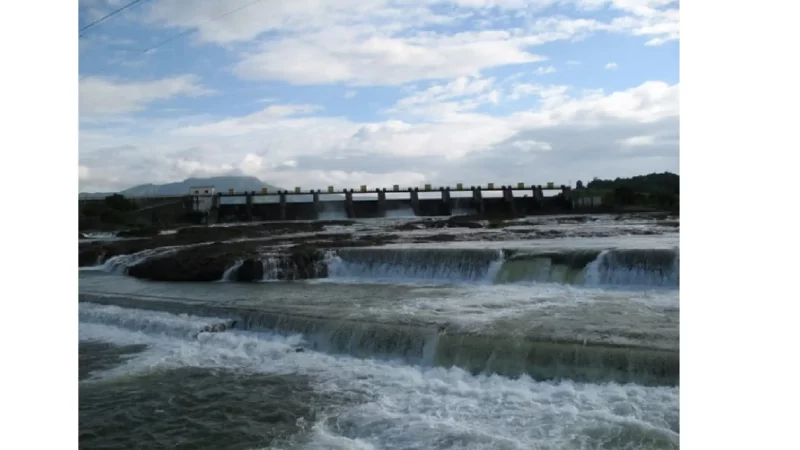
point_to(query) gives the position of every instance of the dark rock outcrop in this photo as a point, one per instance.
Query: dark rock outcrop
(451, 222)
(209, 263)
(336, 222)
(304, 262)
(250, 270)
(89, 252)
(201, 263)
(439, 238)
(90, 258)
(574, 219)
(139, 232)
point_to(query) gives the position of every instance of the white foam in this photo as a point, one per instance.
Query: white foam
(412, 407)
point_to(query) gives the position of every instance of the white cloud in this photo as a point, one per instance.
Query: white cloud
(251, 164)
(531, 146)
(637, 141)
(611, 66)
(545, 70)
(287, 16)
(381, 42)
(649, 102)
(363, 57)
(351, 179)
(566, 136)
(520, 90)
(261, 120)
(440, 100)
(646, 18)
(106, 96)
(657, 19)
(83, 172)
(505, 4)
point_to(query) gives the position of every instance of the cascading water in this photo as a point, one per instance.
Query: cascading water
(463, 211)
(634, 268)
(332, 211)
(399, 213)
(612, 268)
(271, 268)
(119, 264)
(498, 353)
(480, 328)
(462, 206)
(285, 267)
(448, 265)
(229, 273)
(589, 267)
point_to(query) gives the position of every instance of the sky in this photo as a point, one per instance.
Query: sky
(346, 93)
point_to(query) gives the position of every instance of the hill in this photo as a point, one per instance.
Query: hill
(221, 184)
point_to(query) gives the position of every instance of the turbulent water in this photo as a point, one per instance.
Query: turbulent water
(548, 344)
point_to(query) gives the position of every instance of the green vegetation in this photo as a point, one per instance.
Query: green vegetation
(660, 190)
(116, 212)
(112, 211)
(655, 183)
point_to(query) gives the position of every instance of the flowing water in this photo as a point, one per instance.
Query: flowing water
(545, 344)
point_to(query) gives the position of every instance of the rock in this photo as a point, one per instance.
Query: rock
(209, 263)
(250, 270)
(410, 226)
(438, 238)
(464, 222)
(452, 222)
(140, 232)
(336, 222)
(496, 224)
(306, 262)
(91, 253)
(201, 263)
(90, 256)
(573, 219)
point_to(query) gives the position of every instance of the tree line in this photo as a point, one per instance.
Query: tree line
(656, 189)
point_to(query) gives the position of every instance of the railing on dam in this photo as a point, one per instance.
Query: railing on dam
(382, 202)
(299, 204)
(396, 188)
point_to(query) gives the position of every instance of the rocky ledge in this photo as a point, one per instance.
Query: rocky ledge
(94, 252)
(290, 250)
(206, 253)
(210, 262)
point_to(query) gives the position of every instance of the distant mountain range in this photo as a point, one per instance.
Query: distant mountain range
(221, 184)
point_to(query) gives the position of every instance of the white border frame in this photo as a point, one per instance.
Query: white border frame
(739, 316)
